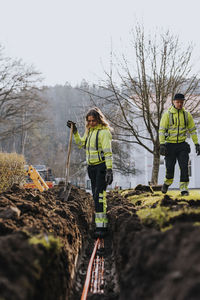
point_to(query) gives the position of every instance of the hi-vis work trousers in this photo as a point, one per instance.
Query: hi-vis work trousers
(180, 152)
(97, 174)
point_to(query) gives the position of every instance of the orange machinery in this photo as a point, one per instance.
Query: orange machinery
(39, 177)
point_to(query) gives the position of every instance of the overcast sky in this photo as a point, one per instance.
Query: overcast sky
(69, 40)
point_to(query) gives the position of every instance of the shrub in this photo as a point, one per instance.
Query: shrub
(11, 170)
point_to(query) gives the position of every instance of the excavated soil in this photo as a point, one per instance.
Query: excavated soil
(152, 264)
(46, 244)
(41, 237)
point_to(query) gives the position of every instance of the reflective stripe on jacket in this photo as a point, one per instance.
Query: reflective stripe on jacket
(174, 125)
(101, 219)
(104, 152)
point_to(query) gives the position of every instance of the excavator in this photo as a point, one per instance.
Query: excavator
(39, 177)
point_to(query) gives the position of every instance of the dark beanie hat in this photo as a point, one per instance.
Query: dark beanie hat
(179, 97)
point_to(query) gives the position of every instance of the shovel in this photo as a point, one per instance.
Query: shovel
(67, 186)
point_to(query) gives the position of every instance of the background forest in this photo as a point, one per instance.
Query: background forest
(33, 123)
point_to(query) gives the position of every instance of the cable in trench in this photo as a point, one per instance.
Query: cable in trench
(94, 282)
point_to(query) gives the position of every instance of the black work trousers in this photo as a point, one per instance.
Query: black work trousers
(97, 175)
(180, 152)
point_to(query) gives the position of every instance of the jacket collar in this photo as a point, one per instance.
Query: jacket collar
(174, 110)
(99, 126)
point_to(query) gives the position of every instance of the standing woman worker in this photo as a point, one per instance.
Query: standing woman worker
(97, 143)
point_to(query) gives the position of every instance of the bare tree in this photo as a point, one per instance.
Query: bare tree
(123, 163)
(147, 85)
(21, 103)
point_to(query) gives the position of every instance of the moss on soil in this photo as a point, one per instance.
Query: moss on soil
(48, 241)
(152, 261)
(161, 211)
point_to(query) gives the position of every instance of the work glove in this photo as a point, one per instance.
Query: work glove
(109, 176)
(197, 146)
(163, 149)
(70, 123)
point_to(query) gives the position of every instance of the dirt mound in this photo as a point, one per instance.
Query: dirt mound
(143, 188)
(41, 237)
(46, 241)
(161, 265)
(139, 189)
(152, 264)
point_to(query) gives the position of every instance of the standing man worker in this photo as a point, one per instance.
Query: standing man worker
(174, 125)
(97, 143)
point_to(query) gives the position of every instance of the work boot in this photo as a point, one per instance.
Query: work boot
(184, 193)
(164, 188)
(100, 232)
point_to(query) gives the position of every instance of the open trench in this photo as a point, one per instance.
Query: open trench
(109, 288)
(119, 210)
(146, 263)
(46, 244)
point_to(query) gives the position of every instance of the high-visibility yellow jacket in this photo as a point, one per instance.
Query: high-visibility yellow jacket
(97, 143)
(174, 125)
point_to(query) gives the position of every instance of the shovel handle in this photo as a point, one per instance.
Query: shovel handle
(68, 156)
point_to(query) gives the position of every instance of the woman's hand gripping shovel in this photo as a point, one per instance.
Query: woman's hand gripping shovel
(67, 187)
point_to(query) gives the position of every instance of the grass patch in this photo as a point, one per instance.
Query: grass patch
(175, 194)
(158, 196)
(196, 224)
(152, 213)
(158, 217)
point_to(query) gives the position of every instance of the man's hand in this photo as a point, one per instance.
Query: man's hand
(197, 146)
(70, 123)
(163, 149)
(109, 176)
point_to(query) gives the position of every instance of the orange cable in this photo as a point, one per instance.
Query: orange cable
(89, 270)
